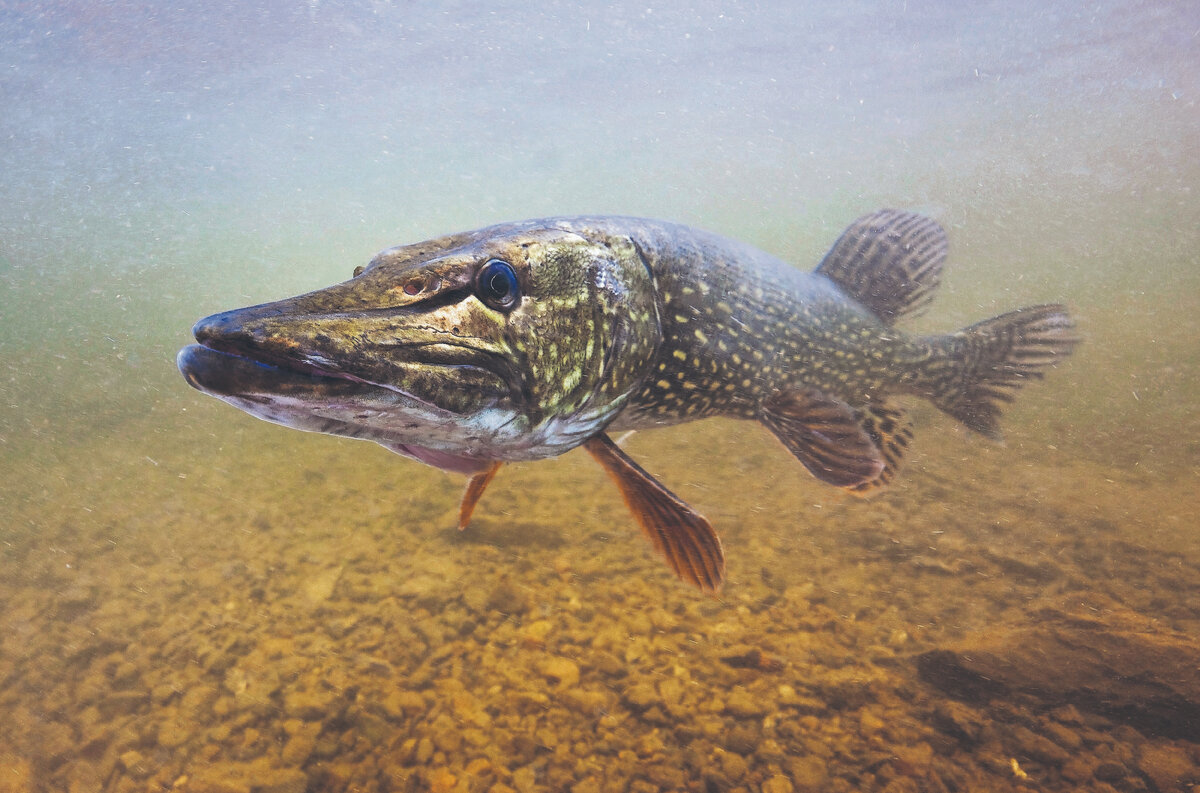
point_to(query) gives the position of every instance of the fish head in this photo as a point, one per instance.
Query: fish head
(515, 342)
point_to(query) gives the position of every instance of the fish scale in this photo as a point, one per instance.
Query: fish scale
(773, 326)
(523, 340)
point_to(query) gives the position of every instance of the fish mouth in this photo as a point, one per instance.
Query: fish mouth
(435, 377)
(329, 402)
(227, 373)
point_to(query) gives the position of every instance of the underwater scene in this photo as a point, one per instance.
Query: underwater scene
(966, 587)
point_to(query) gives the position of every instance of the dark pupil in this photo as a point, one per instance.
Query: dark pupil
(498, 284)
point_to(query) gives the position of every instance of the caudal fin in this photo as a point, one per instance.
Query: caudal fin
(988, 362)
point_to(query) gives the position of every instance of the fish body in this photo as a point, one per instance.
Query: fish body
(524, 340)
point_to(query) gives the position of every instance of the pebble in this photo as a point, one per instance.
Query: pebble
(1166, 765)
(508, 668)
(561, 672)
(524, 779)
(1110, 772)
(778, 783)
(666, 776)
(1063, 736)
(641, 696)
(259, 777)
(958, 721)
(732, 765)
(1027, 743)
(319, 588)
(740, 704)
(809, 773)
(869, 722)
(424, 751)
(300, 747)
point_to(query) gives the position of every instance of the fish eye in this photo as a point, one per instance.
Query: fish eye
(496, 285)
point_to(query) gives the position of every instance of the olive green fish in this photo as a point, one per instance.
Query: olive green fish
(524, 340)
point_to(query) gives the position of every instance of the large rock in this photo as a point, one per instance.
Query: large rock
(1100, 657)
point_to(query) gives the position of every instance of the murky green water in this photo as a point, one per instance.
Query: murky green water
(195, 600)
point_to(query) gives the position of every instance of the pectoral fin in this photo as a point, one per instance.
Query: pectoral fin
(676, 531)
(474, 492)
(824, 433)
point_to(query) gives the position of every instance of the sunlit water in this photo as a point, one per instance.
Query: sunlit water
(192, 599)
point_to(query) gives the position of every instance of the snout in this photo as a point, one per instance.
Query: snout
(238, 329)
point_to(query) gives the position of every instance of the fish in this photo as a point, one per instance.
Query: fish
(524, 340)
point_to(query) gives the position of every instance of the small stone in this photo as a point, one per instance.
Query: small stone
(958, 721)
(442, 781)
(670, 691)
(563, 672)
(373, 728)
(524, 779)
(281, 780)
(741, 705)
(300, 746)
(1038, 747)
(743, 739)
(478, 767)
(16, 775)
(732, 765)
(172, 733)
(641, 696)
(917, 756)
(1110, 772)
(1078, 769)
(308, 705)
(319, 587)
(588, 785)
(868, 722)
(508, 599)
(258, 777)
(778, 784)
(666, 776)
(1063, 736)
(397, 704)
(1166, 765)
(132, 763)
(809, 773)
(424, 751)
(771, 751)
(537, 631)
(584, 701)
(123, 703)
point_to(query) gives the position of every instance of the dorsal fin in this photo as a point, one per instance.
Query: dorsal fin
(890, 261)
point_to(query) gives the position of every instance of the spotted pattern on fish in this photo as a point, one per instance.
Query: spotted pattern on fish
(523, 340)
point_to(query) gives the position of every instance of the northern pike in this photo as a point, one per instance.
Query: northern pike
(523, 340)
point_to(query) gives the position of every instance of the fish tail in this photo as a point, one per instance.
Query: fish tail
(984, 365)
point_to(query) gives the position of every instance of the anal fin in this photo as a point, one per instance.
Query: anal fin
(475, 487)
(825, 434)
(683, 536)
(891, 431)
